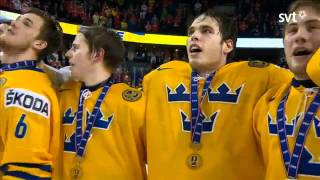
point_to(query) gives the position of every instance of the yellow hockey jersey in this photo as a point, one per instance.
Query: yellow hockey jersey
(116, 148)
(313, 67)
(265, 128)
(29, 126)
(228, 149)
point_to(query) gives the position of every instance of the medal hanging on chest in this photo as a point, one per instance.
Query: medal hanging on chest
(194, 160)
(82, 139)
(291, 162)
(76, 169)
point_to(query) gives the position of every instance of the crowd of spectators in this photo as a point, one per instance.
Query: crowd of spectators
(256, 18)
(260, 18)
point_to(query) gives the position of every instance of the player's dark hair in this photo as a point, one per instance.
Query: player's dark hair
(227, 27)
(99, 37)
(50, 31)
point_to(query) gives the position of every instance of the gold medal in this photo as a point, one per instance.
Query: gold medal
(76, 169)
(76, 172)
(194, 161)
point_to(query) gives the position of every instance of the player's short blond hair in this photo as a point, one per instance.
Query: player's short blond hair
(315, 4)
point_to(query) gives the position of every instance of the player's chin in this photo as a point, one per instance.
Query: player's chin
(194, 59)
(301, 59)
(195, 63)
(298, 67)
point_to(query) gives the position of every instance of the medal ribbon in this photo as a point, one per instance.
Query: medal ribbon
(196, 120)
(81, 140)
(292, 162)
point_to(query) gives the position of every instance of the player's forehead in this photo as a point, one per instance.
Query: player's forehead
(34, 19)
(204, 20)
(304, 15)
(79, 39)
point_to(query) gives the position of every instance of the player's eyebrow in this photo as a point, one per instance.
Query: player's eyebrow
(201, 27)
(29, 20)
(312, 21)
(206, 27)
(26, 19)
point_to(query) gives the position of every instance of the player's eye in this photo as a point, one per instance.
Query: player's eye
(207, 30)
(27, 23)
(314, 26)
(74, 47)
(291, 29)
(190, 32)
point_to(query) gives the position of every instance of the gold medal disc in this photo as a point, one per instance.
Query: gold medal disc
(194, 161)
(76, 172)
(76, 169)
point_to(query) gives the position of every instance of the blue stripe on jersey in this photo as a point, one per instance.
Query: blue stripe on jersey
(46, 168)
(24, 175)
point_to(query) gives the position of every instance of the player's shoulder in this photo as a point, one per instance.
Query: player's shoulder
(173, 67)
(32, 80)
(69, 86)
(247, 65)
(256, 66)
(275, 94)
(27, 77)
(126, 93)
(174, 64)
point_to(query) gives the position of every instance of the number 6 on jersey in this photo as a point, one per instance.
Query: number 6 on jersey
(21, 128)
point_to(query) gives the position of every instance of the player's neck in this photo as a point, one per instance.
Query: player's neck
(10, 57)
(205, 70)
(97, 76)
(205, 74)
(301, 77)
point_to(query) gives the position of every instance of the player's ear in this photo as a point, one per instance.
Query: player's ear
(98, 55)
(40, 44)
(227, 46)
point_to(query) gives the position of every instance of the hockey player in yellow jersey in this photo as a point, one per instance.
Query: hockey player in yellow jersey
(29, 110)
(103, 123)
(199, 114)
(287, 120)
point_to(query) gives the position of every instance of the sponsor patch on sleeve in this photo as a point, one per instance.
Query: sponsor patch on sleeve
(28, 101)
